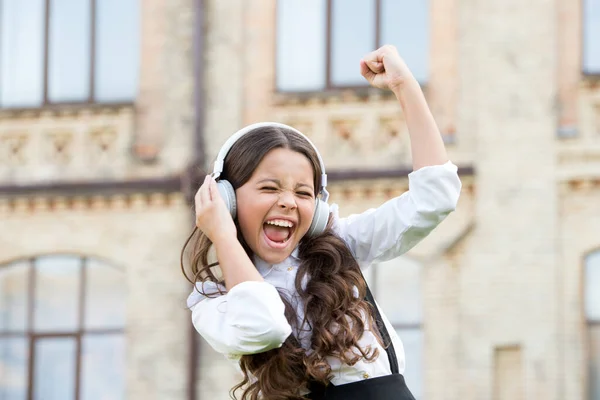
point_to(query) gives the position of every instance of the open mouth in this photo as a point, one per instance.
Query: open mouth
(278, 232)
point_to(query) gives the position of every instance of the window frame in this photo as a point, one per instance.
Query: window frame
(32, 337)
(329, 86)
(90, 100)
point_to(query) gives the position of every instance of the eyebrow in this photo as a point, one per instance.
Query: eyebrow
(278, 182)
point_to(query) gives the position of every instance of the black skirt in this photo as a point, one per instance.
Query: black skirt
(389, 387)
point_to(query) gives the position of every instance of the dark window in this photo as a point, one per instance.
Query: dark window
(320, 42)
(61, 329)
(68, 51)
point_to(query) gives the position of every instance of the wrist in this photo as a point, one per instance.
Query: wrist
(223, 240)
(408, 89)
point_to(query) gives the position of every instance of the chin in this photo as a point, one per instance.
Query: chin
(272, 258)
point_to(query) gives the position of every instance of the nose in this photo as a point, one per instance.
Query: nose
(287, 200)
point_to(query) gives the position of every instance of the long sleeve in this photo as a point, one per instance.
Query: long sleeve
(396, 226)
(248, 319)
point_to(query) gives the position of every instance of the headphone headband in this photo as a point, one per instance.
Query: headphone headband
(220, 161)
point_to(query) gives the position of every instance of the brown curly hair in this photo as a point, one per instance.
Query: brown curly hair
(329, 271)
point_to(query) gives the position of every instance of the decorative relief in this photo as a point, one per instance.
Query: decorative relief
(344, 131)
(343, 141)
(102, 143)
(303, 125)
(13, 148)
(352, 133)
(65, 144)
(582, 185)
(59, 147)
(392, 139)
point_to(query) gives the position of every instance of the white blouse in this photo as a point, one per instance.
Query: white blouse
(250, 317)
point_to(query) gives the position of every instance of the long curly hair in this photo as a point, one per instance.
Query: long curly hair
(325, 282)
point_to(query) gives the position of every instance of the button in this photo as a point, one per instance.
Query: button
(365, 375)
(290, 268)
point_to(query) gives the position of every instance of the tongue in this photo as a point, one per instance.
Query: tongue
(276, 233)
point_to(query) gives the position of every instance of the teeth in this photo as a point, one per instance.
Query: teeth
(280, 222)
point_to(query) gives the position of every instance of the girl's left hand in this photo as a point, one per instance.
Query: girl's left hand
(385, 69)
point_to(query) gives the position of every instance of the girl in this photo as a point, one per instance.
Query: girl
(285, 299)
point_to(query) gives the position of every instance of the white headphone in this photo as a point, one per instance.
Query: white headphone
(321, 215)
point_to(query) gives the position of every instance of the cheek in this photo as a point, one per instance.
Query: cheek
(245, 218)
(250, 215)
(307, 210)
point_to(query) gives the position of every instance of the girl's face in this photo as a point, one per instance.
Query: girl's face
(276, 205)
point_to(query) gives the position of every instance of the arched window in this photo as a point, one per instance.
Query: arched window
(396, 286)
(592, 314)
(61, 329)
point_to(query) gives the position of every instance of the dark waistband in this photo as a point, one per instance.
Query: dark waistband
(389, 387)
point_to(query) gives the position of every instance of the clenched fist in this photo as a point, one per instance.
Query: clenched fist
(385, 69)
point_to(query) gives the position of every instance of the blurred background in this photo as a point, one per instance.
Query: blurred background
(111, 111)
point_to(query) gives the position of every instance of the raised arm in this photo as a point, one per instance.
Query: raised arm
(385, 69)
(396, 226)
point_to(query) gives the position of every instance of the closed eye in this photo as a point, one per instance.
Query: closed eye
(305, 194)
(269, 188)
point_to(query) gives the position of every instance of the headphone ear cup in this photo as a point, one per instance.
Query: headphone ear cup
(320, 218)
(228, 194)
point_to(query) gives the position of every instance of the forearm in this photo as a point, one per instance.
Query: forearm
(235, 263)
(427, 146)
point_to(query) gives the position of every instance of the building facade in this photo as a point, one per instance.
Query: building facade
(111, 111)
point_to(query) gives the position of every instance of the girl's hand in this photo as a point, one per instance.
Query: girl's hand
(385, 69)
(212, 216)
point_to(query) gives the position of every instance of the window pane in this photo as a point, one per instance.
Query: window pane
(301, 52)
(592, 283)
(13, 368)
(412, 339)
(55, 364)
(103, 367)
(14, 298)
(69, 50)
(104, 296)
(405, 24)
(117, 50)
(21, 53)
(352, 36)
(57, 293)
(591, 36)
(399, 290)
(594, 367)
